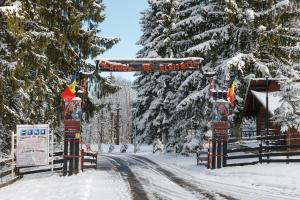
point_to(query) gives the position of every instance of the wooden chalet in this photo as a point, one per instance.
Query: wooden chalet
(255, 106)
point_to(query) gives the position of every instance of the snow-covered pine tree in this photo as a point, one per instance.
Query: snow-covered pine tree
(152, 115)
(9, 102)
(288, 114)
(264, 41)
(247, 38)
(188, 24)
(53, 40)
(188, 96)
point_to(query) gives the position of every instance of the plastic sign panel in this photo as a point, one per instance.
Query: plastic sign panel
(149, 65)
(32, 145)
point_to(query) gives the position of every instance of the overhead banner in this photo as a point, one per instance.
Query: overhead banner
(32, 145)
(149, 65)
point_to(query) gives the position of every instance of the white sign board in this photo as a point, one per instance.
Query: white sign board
(32, 145)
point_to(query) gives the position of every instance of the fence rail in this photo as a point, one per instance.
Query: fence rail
(88, 160)
(271, 149)
(264, 154)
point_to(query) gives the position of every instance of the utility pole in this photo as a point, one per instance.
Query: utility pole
(100, 132)
(99, 136)
(118, 125)
(112, 127)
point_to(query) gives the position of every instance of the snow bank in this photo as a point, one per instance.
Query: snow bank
(88, 185)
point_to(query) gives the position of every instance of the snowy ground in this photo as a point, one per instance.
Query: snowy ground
(169, 176)
(262, 181)
(85, 186)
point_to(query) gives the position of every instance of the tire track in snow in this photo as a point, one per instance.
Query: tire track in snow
(234, 189)
(182, 182)
(158, 186)
(136, 188)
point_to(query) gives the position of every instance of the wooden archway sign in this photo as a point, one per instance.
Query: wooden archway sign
(149, 64)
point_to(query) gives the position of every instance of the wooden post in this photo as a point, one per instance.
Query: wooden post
(208, 155)
(219, 154)
(260, 153)
(82, 160)
(213, 157)
(71, 157)
(66, 147)
(267, 151)
(52, 152)
(224, 153)
(72, 134)
(12, 154)
(76, 145)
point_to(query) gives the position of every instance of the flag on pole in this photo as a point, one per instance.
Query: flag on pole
(69, 93)
(230, 92)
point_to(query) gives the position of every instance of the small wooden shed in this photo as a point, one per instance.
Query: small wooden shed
(255, 106)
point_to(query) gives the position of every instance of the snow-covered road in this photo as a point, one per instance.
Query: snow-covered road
(174, 177)
(147, 176)
(148, 180)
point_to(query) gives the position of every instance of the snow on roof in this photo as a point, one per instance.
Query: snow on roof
(273, 99)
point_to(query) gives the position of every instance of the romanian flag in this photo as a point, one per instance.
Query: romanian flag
(69, 93)
(230, 92)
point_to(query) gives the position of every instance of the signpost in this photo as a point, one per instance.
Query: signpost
(32, 145)
(72, 136)
(220, 131)
(220, 119)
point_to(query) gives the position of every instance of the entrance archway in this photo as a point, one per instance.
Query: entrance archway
(147, 65)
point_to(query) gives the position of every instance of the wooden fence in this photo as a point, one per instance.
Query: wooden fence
(88, 160)
(270, 149)
(58, 161)
(6, 172)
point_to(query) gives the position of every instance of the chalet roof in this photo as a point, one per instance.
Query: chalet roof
(259, 85)
(273, 100)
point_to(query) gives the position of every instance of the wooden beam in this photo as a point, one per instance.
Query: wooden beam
(149, 64)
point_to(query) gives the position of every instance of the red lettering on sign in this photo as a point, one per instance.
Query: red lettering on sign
(115, 67)
(147, 67)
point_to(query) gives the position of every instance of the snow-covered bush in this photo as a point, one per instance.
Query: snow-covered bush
(287, 115)
(123, 148)
(111, 148)
(192, 143)
(157, 145)
(249, 124)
